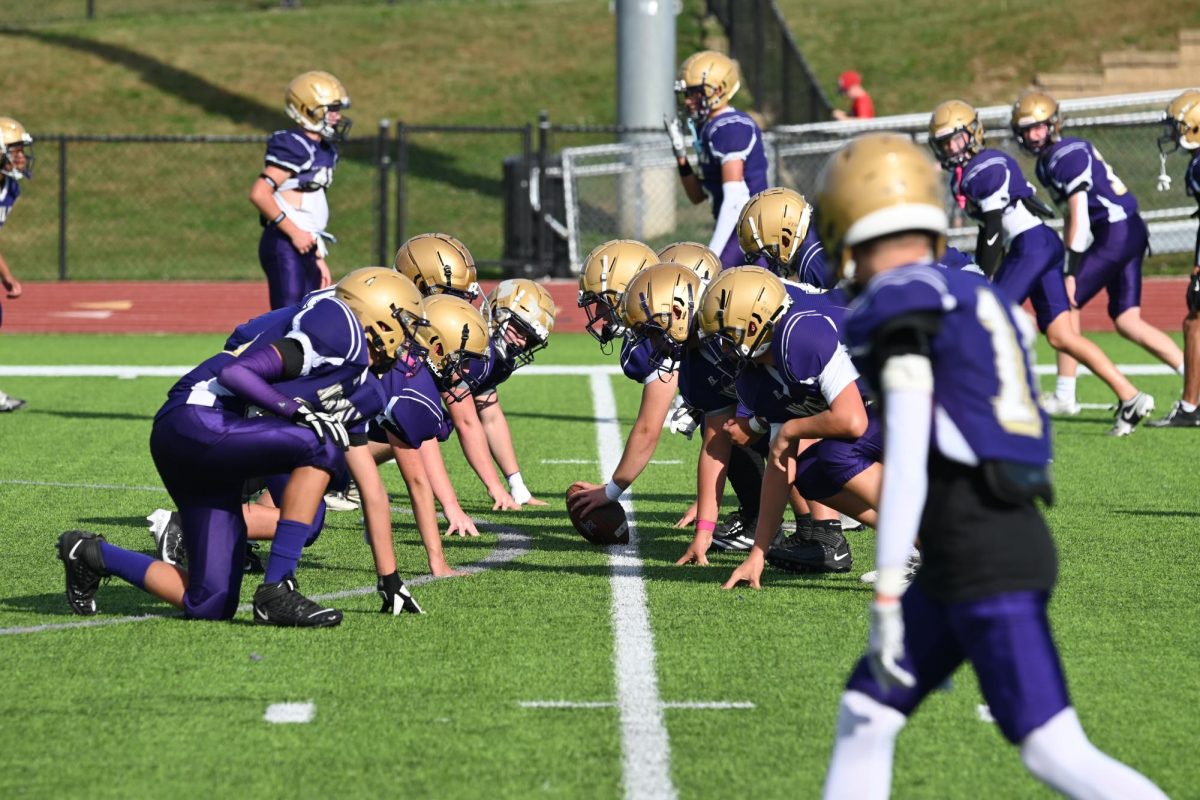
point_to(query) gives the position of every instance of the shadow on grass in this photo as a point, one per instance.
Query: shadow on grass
(423, 162)
(79, 414)
(113, 600)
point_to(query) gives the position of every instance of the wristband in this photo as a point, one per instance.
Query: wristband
(685, 169)
(282, 216)
(706, 525)
(270, 181)
(1073, 259)
(892, 581)
(612, 491)
(753, 424)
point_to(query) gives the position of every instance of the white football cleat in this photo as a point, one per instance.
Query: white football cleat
(1130, 413)
(1056, 406)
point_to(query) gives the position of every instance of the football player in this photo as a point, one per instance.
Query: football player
(1015, 248)
(966, 452)
(1106, 238)
(782, 346)
(439, 264)
(1181, 124)
(16, 164)
(276, 407)
(606, 272)
(289, 193)
(733, 164)
(776, 227)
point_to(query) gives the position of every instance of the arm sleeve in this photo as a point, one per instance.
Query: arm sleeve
(250, 375)
(907, 382)
(736, 195)
(1081, 220)
(988, 248)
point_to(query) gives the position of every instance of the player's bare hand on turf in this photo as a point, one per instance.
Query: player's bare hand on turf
(13, 288)
(303, 241)
(885, 648)
(460, 524)
(587, 498)
(323, 270)
(697, 551)
(749, 571)
(688, 517)
(533, 501)
(503, 501)
(739, 431)
(443, 570)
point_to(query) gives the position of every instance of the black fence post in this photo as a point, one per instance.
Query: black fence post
(543, 230)
(401, 182)
(62, 208)
(383, 162)
(91, 9)
(525, 227)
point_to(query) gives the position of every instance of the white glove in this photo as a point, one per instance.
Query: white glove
(322, 424)
(885, 647)
(675, 131)
(684, 419)
(516, 487)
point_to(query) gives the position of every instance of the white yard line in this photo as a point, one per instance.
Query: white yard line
(716, 705)
(645, 747)
(284, 713)
(655, 461)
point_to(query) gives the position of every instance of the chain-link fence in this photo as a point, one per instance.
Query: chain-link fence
(19, 13)
(784, 87)
(611, 192)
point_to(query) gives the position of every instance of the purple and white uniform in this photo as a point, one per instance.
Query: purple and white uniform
(811, 368)
(205, 445)
(10, 190)
(1192, 183)
(1114, 259)
(811, 267)
(988, 561)
(1032, 267)
(637, 360)
(413, 412)
(496, 370)
(730, 136)
(291, 275)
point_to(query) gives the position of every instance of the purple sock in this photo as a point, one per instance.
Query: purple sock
(127, 565)
(285, 549)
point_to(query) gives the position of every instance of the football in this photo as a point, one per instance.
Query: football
(604, 526)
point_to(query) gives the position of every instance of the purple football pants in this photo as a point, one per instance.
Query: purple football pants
(1114, 262)
(1032, 270)
(825, 467)
(1006, 637)
(203, 456)
(290, 275)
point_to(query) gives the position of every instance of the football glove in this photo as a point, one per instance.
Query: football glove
(1193, 292)
(324, 425)
(396, 597)
(684, 419)
(885, 648)
(675, 132)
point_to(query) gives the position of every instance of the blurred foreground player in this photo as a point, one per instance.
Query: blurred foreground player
(966, 449)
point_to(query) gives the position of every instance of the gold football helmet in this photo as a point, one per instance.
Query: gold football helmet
(658, 305)
(878, 184)
(1036, 108)
(520, 314)
(391, 311)
(1181, 123)
(438, 264)
(947, 121)
(456, 344)
(310, 97)
(16, 150)
(773, 225)
(738, 314)
(605, 274)
(700, 259)
(707, 81)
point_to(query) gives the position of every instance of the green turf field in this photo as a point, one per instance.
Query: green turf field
(430, 706)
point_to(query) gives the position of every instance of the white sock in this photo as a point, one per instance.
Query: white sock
(1184, 404)
(1064, 388)
(861, 765)
(1060, 755)
(1180, 369)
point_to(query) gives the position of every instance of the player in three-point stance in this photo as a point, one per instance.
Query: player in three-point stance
(1105, 236)
(289, 193)
(966, 452)
(16, 164)
(1016, 249)
(733, 164)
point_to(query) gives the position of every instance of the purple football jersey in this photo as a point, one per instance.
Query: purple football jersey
(413, 412)
(311, 163)
(1192, 179)
(10, 190)
(636, 359)
(702, 385)
(985, 395)
(1071, 165)
(496, 370)
(334, 351)
(991, 181)
(811, 267)
(732, 136)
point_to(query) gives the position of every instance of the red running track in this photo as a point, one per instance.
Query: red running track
(195, 307)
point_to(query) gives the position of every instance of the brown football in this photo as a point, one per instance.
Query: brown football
(604, 526)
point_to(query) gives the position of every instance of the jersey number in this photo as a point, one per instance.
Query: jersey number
(1118, 185)
(1014, 405)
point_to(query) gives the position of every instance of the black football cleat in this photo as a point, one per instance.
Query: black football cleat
(254, 564)
(168, 537)
(820, 547)
(1178, 418)
(735, 533)
(282, 604)
(84, 565)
